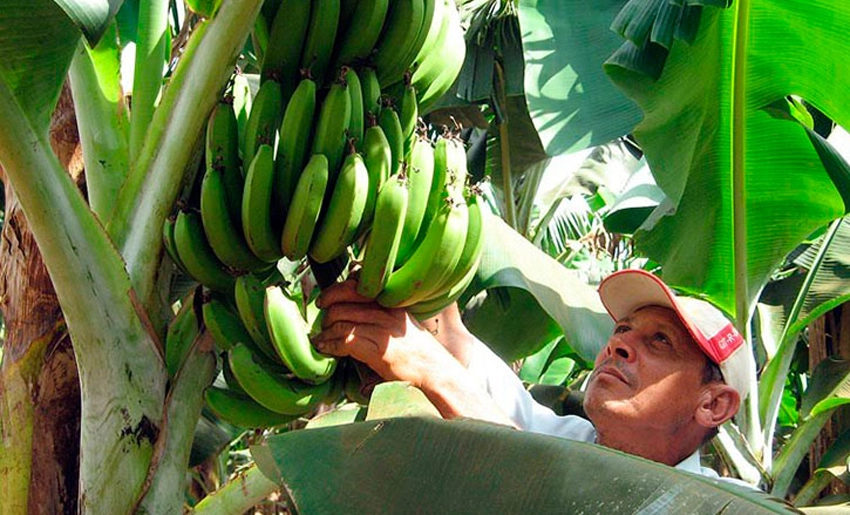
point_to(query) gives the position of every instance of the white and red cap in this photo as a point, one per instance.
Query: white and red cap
(627, 290)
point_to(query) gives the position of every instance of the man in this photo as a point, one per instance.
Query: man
(673, 370)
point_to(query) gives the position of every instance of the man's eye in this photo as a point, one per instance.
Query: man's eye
(622, 328)
(662, 338)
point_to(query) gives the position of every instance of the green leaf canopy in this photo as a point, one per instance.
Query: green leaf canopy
(748, 185)
(571, 101)
(430, 465)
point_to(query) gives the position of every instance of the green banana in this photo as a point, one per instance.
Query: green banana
(430, 307)
(383, 241)
(342, 217)
(250, 294)
(452, 54)
(371, 91)
(454, 285)
(241, 410)
(432, 261)
(229, 378)
(290, 336)
(401, 32)
(429, 64)
(329, 138)
(223, 322)
(222, 153)
(273, 389)
(432, 33)
(420, 175)
(296, 131)
(264, 119)
(390, 123)
(321, 35)
(242, 101)
(168, 242)
(305, 208)
(181, 334)
(408, 114)
(355, 119)
(449, 174)
(456, 171)
(362, 32)
(223, 231)
(197, 256)
(286, 41)
(378, 158)
(261, 236)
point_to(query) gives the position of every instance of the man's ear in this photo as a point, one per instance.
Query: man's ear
(718, 403)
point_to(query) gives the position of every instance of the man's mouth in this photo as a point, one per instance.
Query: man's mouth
(611, 370)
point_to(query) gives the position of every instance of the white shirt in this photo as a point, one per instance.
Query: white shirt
(516, 402)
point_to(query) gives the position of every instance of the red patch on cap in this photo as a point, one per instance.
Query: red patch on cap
(723, 344)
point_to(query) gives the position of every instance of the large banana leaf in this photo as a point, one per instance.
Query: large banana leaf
(541, 298)
(748, 183)
(430, 465)
(572, 103)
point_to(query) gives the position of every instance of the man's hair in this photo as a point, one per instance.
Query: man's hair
(711, 374)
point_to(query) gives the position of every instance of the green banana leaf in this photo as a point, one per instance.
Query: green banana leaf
(833, 465)
(430, 465)
(829, 389)
(536, 300)
(788, 306)
(90, 16)
(571, 101)
(748, 185)
(38, 44)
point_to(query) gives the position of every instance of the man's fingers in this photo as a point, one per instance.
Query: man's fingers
(341, 292)
(345, 339)
(358, 314)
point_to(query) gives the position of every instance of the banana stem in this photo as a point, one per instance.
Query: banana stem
(121, 371)
(238, 495)
(151, 54)
(183, 408)
(102, 120)
(152, 186)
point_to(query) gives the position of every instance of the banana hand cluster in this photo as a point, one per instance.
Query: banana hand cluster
(325, 157)
(272, 375)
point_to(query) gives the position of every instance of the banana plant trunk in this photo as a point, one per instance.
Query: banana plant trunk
(39, 384)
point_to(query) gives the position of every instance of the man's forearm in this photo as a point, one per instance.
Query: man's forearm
(456, 394)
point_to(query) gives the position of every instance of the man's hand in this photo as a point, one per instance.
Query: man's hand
(398, 348)
(387, 340)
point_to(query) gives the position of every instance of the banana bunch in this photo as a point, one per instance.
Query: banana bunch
(427, 248)
(324, 161)
(393, 38)
(271, 373)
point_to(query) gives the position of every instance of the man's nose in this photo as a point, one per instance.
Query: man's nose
(620, 347)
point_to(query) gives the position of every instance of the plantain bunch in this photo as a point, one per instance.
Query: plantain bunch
(323, 162)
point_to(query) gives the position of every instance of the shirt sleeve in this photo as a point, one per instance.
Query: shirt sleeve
(509, 394)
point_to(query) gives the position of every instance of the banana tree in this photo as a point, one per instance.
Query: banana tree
(104, 258)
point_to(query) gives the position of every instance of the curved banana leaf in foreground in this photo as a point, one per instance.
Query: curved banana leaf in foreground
(469, 467)
(748, 183)
(541, 299)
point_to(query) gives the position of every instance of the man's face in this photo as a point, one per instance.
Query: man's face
(648, 376)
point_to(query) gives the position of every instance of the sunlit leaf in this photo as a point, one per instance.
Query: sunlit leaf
(565, 302)
(467, 467)
(572, 103)
(748, 186)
